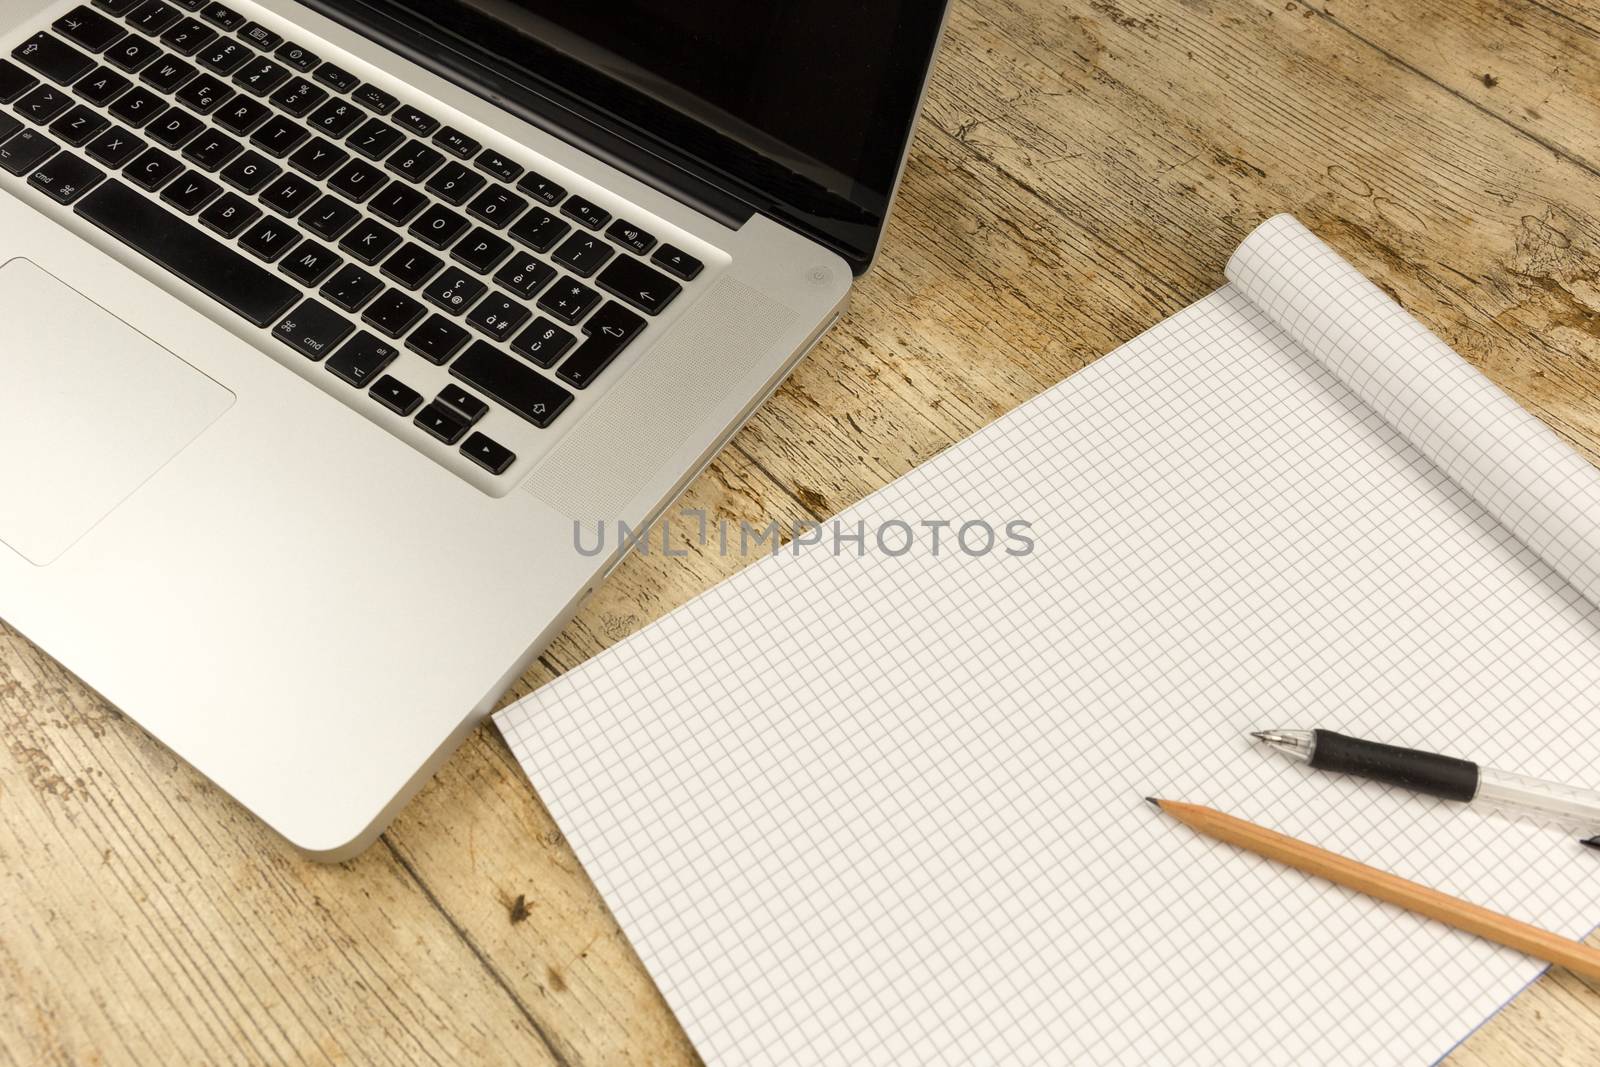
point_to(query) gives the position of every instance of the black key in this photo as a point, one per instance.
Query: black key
(279, 136)
(26, 150)
(222, 16)
(374, 99)
(648, 290)
(268, 239)
(242, 114)
(525, 276)
(357, 180)
(442, 422)
(99, 88)
(53, 57)
(582, 254)
(568, 300)
(488, 453)
(393, 313)
(137, 106)
(335, 118)
(205, 94)
(541, 188)
(375, 139)
(543, 342)
(260, 37)
(455, 291)
(289, 194)
(114, 147)
(516, 385)
(175, 129)
(455, 184)
(370, 241)
(416, 121)
(587, 213)
(415, 161)
(630, 236)
(132, 53)
(225, 56)
(437, 339)
(439, 226)
(153, 169)
(398, 204)
(166, 74)
(498, 165)
(8, 126)
(498, 316)
(469, 407)
(395, 395)
(298, 57)
(153, 17)
(230, 215)
(456, 143)
(676, 261)
(191, 192)
(539, 230)
(198, 259)
(190, 5)
(411, 266)
(77, 126)
(87, 29)
(318, 158)
(614, 322)
(616, 327)
(298, 96)
(66, 177)
(44, 104)
(329, 218)
(250, 172)
(339, 79)
(14, 81)
(211, 151)
(117, 7)
(309, 263)
(261, 76)
(352, 287)
(496, 206)
(481, 250)
(313, 329)
(188, 36)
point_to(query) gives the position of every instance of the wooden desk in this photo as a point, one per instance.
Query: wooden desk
(1083, 170)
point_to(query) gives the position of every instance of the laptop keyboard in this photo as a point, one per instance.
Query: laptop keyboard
(358, 229)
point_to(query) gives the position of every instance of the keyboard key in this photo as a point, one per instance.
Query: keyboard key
(166, 74)
(393, 313)
(329, 218)
(398, 203)
(242, 114)
(114, 148)
(8, 126)
(54, 58)
(469, 407)
(137, 106)
(455, 184)
(205, 94)
(541, 188)
(261, 76)
(612, 327)
(648, 290)
(297, 57)
(615, 322)
(250, 172)
(357, 180)
(582, 254)
(568, 300)
(456, 143)
(318, 158)
(514, 384)
(289, 194)
(494, 163)
(437, 339)
(442, 422)
(374, 99)
(336, 78)
(88, 29)
(416, 121)
(543, 342)
(370, 241)
(362, 359)
(153, 17)
(630, 236)
(225, 55)
(496, 206)
(187, 36)
(309, 263)
(211, 151)
(66, 177)
(132, 53)
(313, 329)
(191, 192)
(676, 261)
(117, 7)
(488, 453)
(77, 126)
(335, 118)
(525, 276)
(481, 250)
(498, 316)
(153, 169)
(586, 213)
(268, 239)
(298, 96)
(375, 139)
(196, 258)
(395, 395)
(455, 291)
(25, 151)
(222, 16)
(260, 37)
(415, 161)
(539, 230)
(230, 215)
(175, 129)
(44, 104)
(279, 136)
(99, 88)
(411, 266)
(439, 226)
(351, 288)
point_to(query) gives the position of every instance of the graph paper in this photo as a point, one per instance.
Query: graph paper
(873, 809)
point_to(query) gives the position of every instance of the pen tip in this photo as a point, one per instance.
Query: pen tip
(1260, 735)
(1591, 842)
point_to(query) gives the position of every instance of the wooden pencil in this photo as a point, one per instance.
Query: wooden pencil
(1501, 929)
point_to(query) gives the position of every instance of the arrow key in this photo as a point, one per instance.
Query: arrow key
(488, 453)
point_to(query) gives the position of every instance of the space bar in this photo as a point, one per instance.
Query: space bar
(202, 261)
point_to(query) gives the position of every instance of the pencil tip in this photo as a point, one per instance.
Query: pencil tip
(1259, 735)
(1591, 842)
(1154, 803)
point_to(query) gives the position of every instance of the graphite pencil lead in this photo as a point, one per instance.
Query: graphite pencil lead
(1591, 842)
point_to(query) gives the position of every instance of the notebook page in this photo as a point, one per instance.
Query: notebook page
(886, 810)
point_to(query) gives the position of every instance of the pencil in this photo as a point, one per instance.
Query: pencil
(1441, 907)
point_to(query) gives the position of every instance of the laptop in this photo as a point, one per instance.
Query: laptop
(327, 324)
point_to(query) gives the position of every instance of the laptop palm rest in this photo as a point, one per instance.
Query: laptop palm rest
(90, 408)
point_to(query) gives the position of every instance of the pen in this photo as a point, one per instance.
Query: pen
(1436, 775)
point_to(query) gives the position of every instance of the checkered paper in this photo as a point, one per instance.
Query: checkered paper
(887, 810)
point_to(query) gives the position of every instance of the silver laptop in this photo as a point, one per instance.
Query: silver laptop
(325, 322)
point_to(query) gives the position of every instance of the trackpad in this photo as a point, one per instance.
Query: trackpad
(91, 409)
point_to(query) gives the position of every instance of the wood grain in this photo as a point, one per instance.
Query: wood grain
(1082, 171)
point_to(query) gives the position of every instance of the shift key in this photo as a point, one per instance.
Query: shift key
(511, 382)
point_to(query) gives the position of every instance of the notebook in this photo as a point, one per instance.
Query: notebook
(874, 808)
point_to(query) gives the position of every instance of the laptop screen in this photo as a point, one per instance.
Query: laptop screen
(802, 110)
